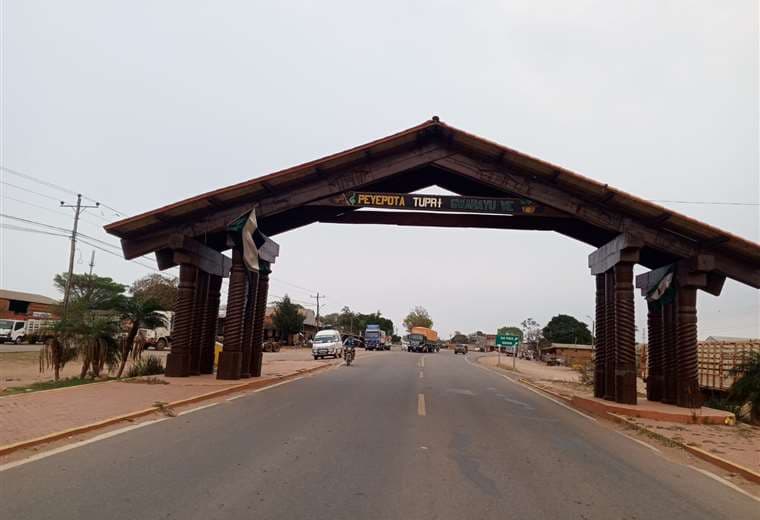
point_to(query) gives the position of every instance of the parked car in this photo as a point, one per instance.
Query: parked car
(460, 348)
(327, 343)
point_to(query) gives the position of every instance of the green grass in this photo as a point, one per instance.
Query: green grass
(48, 385)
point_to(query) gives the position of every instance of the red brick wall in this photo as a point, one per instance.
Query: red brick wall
(33, 307)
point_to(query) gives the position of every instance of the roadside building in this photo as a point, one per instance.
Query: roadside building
(490, 342)
(567, 354)
(309, 327)
(17, 305)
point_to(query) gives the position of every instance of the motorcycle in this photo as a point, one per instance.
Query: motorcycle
(349, 356)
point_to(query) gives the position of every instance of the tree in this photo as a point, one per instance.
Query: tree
(532, 332)
(91, 291)
(511, 331)
(287, 317)
(566, 329)
(746, 389)
(139, 313)
(90, 326)
(157, 287)
(418, 317)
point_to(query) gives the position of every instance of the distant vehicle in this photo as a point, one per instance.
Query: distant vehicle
(423, 339)
(32, 330)
(160, 338)
(327, 343)
(460, 348)
(12, 331)
(374, 337)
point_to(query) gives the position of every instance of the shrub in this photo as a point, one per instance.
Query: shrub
(746, 389)
(149, 366)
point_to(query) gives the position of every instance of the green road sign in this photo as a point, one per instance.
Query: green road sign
(506, 340)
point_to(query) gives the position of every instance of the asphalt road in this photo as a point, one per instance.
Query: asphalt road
(385, 438)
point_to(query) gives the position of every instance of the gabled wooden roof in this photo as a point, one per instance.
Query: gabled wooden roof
(436, 153)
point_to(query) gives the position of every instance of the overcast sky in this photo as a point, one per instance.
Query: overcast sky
(141, 103)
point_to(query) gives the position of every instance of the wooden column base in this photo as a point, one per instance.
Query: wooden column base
(229, 365)
(177, 364)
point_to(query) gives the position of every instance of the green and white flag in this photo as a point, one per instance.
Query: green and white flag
(257, 247)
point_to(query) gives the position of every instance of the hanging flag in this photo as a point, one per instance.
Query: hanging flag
(257, 247)
(661, 288)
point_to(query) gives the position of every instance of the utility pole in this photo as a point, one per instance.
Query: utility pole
(77, 212)
(317, 297)
(92, 261)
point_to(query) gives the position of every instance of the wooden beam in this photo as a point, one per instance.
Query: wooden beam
(429, 219)
(344, 179)
(698, 271)
(185, 250)
(499, 177)
(623, 248)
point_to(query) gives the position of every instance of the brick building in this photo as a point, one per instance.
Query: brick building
(16, 305)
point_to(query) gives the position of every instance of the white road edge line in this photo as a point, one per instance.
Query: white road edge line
(645, 444)
(236, 397)
(278, 384)
(79, 444)
(724, 482)
(563, 405)
(191, 410)
(114, 433)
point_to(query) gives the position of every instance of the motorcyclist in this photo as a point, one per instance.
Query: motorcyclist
(350, 348)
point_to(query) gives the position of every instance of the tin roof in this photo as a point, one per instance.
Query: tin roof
(6, 294)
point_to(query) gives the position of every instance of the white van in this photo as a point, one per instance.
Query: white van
(327, 343)
(12, 331)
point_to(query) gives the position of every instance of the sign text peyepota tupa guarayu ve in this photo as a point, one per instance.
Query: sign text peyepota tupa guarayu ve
(406, 201)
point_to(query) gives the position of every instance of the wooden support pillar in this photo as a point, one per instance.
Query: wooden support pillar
(247, 341)
(655, 352)
(610, 350)
(178, 360)
(600, 340)
(199, 311)
(625, 335)
(257, 351)
(208, 330)
(231, 356)
(687, 375)
(669, 349)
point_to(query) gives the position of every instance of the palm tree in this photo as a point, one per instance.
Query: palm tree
(746, 389)
(140, 313)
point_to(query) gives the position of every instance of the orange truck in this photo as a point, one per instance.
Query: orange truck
(423, 339)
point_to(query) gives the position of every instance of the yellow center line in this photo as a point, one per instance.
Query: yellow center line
(421, 405)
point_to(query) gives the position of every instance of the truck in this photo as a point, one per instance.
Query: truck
(31, 330)
(373, 337)
(159, 338)
(423, 339)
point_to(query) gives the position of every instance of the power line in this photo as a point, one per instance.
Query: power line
(57, 187)
(293, 285)
(29, 191)
(31, 230)
(117, 255)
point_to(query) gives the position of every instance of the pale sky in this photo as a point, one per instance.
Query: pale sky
(138, 104)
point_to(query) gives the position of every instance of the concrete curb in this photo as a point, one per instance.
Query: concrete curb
(9, 448)
(697, 452)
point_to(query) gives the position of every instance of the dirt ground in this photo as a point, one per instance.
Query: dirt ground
(23, 368)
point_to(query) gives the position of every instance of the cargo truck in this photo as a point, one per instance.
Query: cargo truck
(373, 337)
(423, 339)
